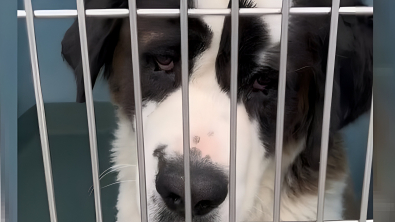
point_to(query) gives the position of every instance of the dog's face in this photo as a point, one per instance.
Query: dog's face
(209, 40)
(209, 105)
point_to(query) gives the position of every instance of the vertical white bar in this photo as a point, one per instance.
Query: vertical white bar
(280, 109)
(138, 108)
(233, 108)
(185, 106)
(368, 170)
(327, 108)
(40, 111)
(89, 107)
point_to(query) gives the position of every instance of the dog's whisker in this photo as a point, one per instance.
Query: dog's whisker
(118, 183)
(259, 198)
(110, 170)
(115, 167)
(258, 209)
(304, 67)
(113, 184)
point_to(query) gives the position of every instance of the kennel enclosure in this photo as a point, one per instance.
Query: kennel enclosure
(184, 13)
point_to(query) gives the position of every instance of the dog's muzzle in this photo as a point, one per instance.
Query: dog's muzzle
(209, 186)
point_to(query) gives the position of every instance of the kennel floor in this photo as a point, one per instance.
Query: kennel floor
(71, 164)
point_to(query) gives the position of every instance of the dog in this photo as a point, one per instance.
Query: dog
(209, 39)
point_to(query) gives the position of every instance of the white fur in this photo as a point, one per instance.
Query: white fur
(273, 22)
(258, 201)
(209, 112)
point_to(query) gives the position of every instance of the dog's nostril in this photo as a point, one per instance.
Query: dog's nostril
(203, 207)
(171, 195)
(175, 199)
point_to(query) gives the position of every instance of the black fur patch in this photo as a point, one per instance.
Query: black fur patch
(306, 73)
(105, 35)
(252, 40)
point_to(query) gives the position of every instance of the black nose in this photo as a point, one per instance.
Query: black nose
(209, 188)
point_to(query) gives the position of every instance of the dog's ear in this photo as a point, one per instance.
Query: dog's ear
(354, 58)
(102, 34)
(353, 80)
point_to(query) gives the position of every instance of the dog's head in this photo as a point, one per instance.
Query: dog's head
(209, 100)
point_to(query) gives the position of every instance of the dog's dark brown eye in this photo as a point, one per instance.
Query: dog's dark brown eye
(165, 63)
(261, 83)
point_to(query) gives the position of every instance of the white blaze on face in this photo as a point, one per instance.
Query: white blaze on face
(209, 109)
(209, 121)
(273, 22)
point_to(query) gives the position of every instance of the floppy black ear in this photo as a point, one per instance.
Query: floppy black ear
(353, 80)
(102, 34)
(354, 64)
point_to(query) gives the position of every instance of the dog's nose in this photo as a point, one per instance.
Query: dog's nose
(209, 188)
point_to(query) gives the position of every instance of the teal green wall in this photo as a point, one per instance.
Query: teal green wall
(57, 78)
(8, 108)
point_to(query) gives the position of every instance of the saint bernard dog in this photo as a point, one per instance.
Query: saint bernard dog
(209, 40)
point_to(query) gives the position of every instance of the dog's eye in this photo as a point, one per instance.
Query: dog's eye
(262, 83)
(165, 63)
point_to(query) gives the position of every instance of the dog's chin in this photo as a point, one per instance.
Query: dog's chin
(160, 213)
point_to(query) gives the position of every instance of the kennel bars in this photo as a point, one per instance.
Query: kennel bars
(184, 13)
(330, 68)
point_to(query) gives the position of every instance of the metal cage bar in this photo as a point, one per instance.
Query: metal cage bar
(368, 170)
(280, 110)
(42, 124)
(233, 108)
(184, 13)
(185, 107)
(90, 110)
(123, 13)
(327, 108)
(138, 109)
